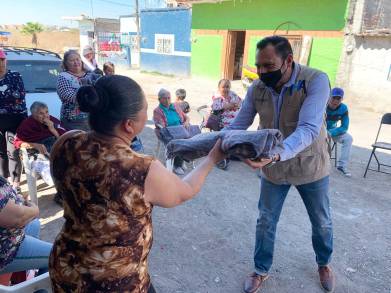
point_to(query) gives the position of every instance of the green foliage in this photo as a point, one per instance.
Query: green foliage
(32, 28)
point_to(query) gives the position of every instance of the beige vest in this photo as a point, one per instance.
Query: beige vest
(313, 163)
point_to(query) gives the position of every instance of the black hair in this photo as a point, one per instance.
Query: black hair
(281, 45)
(111, 100)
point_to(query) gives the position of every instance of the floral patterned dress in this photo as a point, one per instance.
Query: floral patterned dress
(227, 116)
(107, 235)
(10, 238)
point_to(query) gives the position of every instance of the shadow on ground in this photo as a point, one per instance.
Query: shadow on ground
(206, 245)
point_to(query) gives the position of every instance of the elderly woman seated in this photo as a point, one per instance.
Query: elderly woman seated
(21, 248)
(39, 131)
(170, 114)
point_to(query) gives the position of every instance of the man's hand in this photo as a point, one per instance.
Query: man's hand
(187, 123)
(258, 164)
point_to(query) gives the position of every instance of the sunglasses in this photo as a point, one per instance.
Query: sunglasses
(337, 98)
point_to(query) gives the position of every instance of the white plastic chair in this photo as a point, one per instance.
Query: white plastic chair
(31, 175)
(32, 285)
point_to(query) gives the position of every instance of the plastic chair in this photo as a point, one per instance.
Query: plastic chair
(160, 144)
(386, 119)
(31, 175)
(32, 285)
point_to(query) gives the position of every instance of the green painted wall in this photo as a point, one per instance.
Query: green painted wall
(269, 14)
(206, 55)
(325, 55)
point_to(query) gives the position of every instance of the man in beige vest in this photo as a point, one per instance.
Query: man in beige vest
(292, 98)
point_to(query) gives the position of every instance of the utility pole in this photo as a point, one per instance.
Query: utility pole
(138, 38)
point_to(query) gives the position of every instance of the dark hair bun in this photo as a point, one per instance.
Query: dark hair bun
(88, 99)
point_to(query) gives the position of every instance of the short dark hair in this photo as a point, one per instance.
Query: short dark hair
(111, 100)
(281, 45)
(108, 65)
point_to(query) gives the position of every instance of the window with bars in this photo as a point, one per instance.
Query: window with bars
(164, 44)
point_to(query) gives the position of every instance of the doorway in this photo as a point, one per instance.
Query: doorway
(234, 53)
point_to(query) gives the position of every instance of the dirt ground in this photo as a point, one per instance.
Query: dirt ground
(206, 245)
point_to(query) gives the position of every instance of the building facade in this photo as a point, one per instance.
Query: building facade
(165, 41)
(224, 34)
(365, 69)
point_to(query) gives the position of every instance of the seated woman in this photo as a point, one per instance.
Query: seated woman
(39, 131)
(109, 192)
(170, 114)
(20, 247)
(225, 103)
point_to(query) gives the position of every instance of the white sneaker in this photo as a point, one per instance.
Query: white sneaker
(179, 171)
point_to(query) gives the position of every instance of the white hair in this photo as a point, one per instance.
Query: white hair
(163, 92)
(36, 106)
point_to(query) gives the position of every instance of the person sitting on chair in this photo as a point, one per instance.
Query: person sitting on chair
(180, 100)
(38, 131)
(338, 111)
(227, 104)
(21, 248)
(169, 114)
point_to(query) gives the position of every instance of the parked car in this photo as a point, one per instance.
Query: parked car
(39, 69)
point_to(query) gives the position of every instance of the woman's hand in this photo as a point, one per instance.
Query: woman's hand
(216, 154)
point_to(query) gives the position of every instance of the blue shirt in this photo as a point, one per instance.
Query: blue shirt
(334, 116)
(310, 117)
(171, 114)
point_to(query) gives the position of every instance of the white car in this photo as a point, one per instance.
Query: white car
(39, 70)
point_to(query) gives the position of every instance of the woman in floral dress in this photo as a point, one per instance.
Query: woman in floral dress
(109, 191)
(226, 102)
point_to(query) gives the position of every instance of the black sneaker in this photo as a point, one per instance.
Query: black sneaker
(344, 171)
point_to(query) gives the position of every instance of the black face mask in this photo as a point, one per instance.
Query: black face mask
(270, 79)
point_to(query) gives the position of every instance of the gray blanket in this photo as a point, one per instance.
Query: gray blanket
(239, 143)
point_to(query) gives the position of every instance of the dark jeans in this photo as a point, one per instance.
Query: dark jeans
(316, 200)
(10, 164)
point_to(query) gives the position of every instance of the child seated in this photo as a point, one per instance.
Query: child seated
(180, 100)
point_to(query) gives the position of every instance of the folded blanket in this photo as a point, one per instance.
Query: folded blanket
(239, 143)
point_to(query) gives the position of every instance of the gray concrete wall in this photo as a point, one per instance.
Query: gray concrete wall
(365, 64)
(369, 77)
